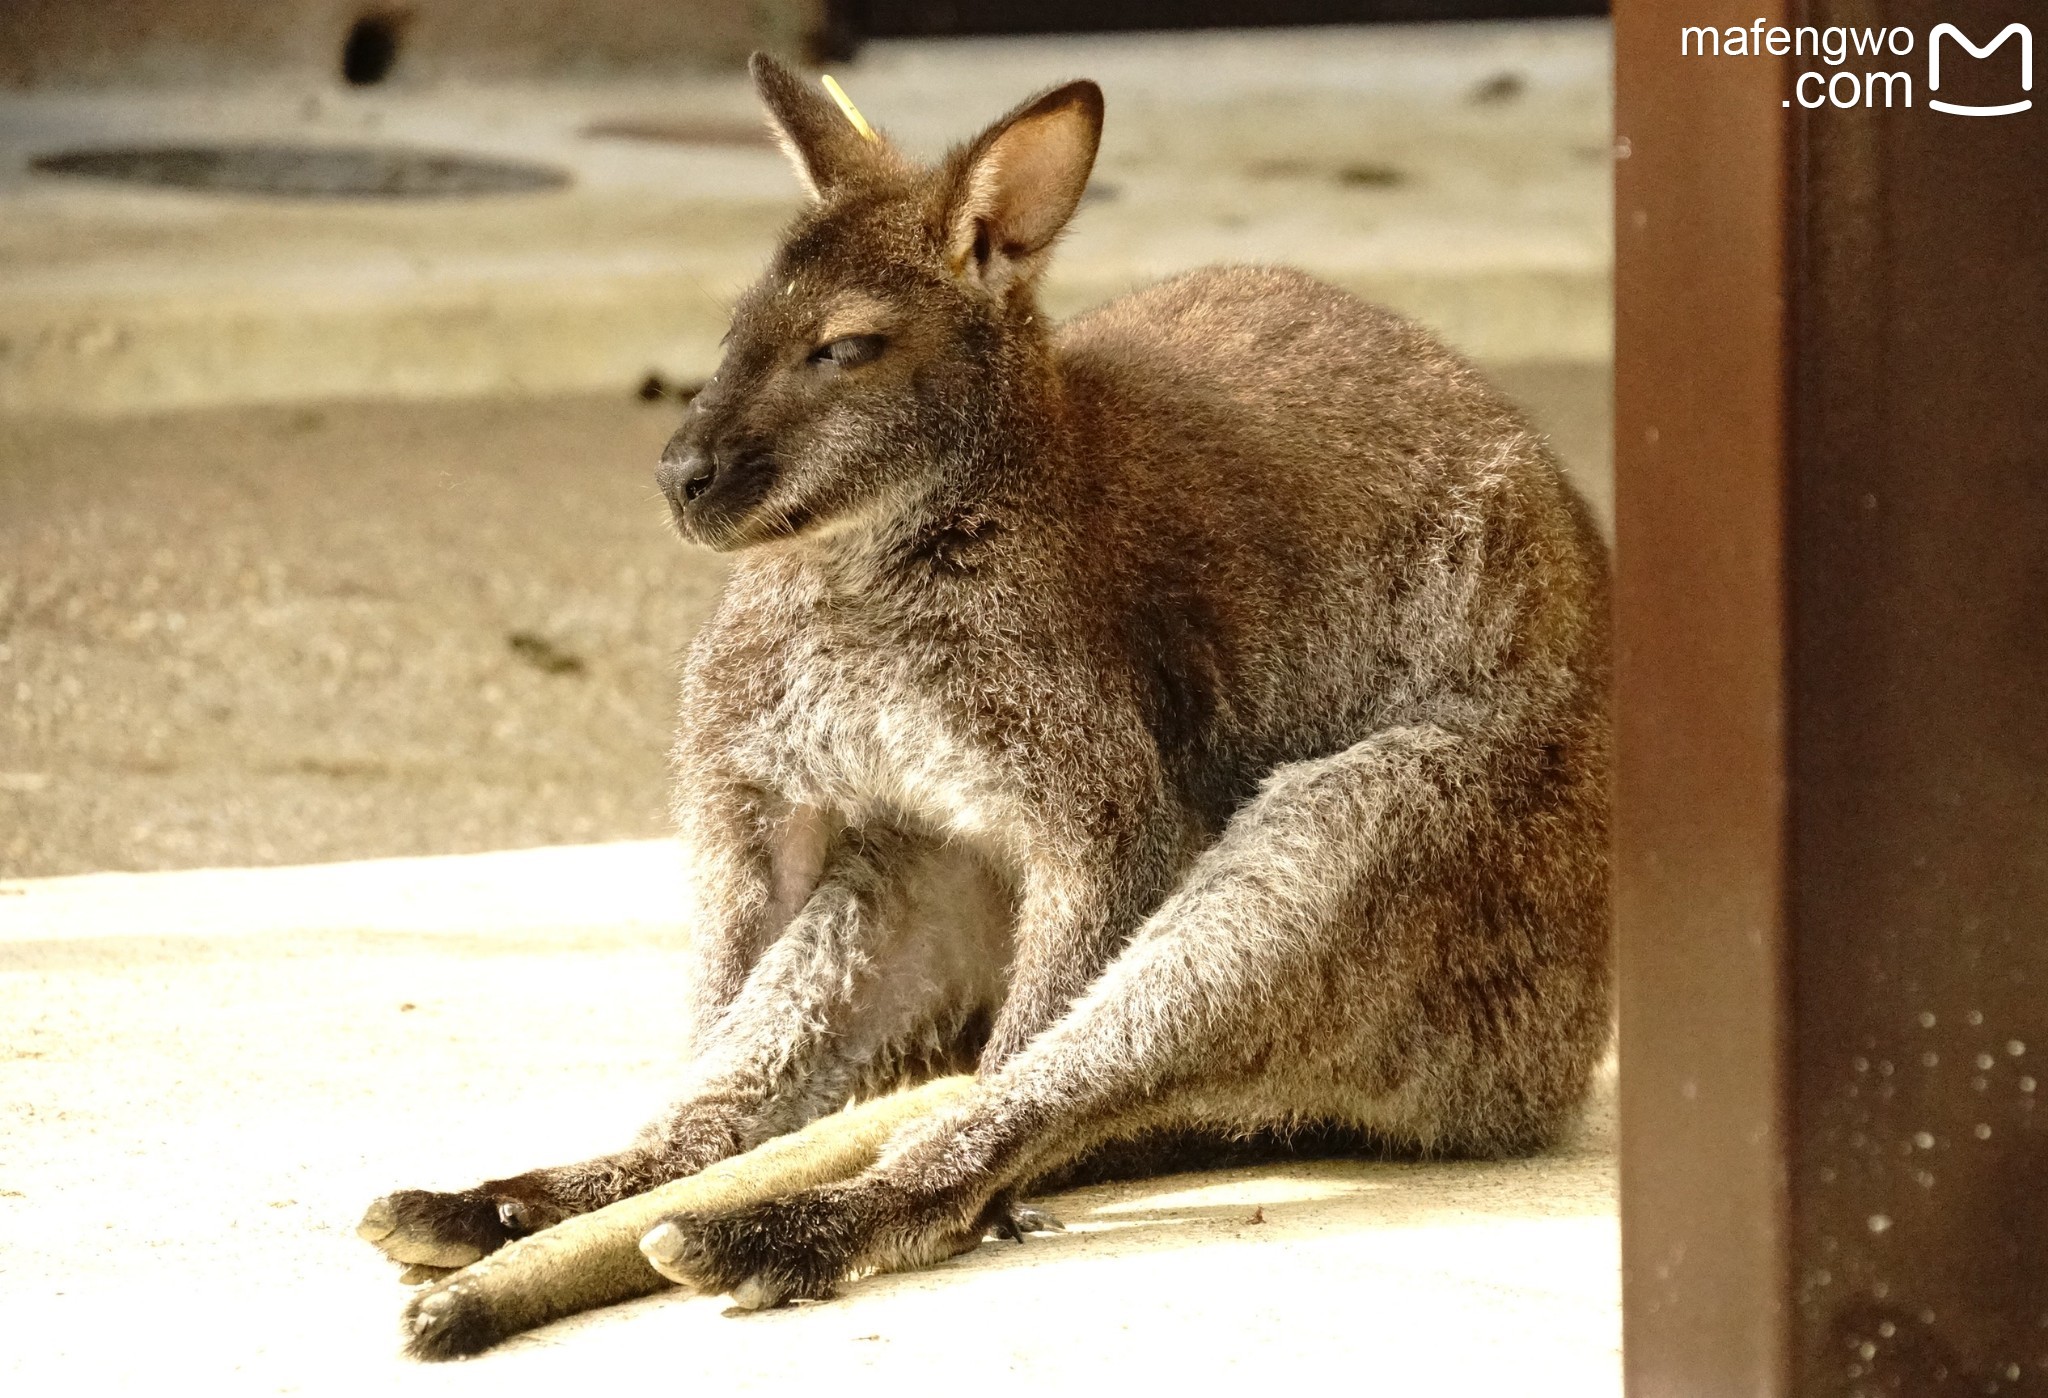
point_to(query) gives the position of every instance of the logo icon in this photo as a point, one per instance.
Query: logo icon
(2026, 68)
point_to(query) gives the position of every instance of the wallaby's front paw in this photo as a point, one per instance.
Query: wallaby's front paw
(423, 1228)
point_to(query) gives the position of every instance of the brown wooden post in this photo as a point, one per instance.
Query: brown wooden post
(1700, 456)
(1832, 524)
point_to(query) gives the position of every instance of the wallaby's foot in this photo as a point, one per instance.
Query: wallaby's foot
(423, 1228)
(450, 1320)
(804, 1246)
(767, 1254)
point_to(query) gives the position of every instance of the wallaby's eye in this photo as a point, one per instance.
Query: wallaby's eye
(849, 351)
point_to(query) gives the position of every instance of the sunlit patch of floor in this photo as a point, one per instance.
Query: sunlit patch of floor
(204, 1078)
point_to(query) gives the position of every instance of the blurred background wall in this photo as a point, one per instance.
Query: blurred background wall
(902, 18)
(366, 42)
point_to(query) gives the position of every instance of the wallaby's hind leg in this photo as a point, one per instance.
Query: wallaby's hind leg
(889, 975)
(1408, 938)
(595, 1259)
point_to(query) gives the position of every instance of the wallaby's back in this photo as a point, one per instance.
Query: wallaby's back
(1310, 501)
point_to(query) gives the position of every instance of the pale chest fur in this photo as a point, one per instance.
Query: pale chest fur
(871, 728)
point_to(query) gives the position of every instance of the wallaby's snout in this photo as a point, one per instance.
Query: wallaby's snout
(686, 471)
(713, 482)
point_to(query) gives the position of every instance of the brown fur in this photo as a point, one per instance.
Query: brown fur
(1193, 716)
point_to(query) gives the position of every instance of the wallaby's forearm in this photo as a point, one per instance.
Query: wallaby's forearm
(748, 870)
(1077, 914)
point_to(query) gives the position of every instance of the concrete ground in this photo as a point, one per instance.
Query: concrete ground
(262, 636)
(205, 1076)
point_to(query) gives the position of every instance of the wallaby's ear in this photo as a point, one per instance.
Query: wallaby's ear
(819, 139)
(1019, 183)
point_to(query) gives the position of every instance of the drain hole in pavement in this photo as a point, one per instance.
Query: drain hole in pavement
(370, 50)
(307, 172)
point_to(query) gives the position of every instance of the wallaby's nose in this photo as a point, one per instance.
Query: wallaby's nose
(686, 472)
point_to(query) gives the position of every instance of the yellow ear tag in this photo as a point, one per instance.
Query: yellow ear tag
(860, 123)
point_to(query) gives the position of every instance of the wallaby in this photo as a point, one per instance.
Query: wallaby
(1190, 719)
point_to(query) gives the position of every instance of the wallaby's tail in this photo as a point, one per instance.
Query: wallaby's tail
(594, 1259)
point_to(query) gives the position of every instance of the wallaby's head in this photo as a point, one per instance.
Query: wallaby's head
(895, 327)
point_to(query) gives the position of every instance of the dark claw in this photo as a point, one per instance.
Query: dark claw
(1010, 1220)
(1035, 1220)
